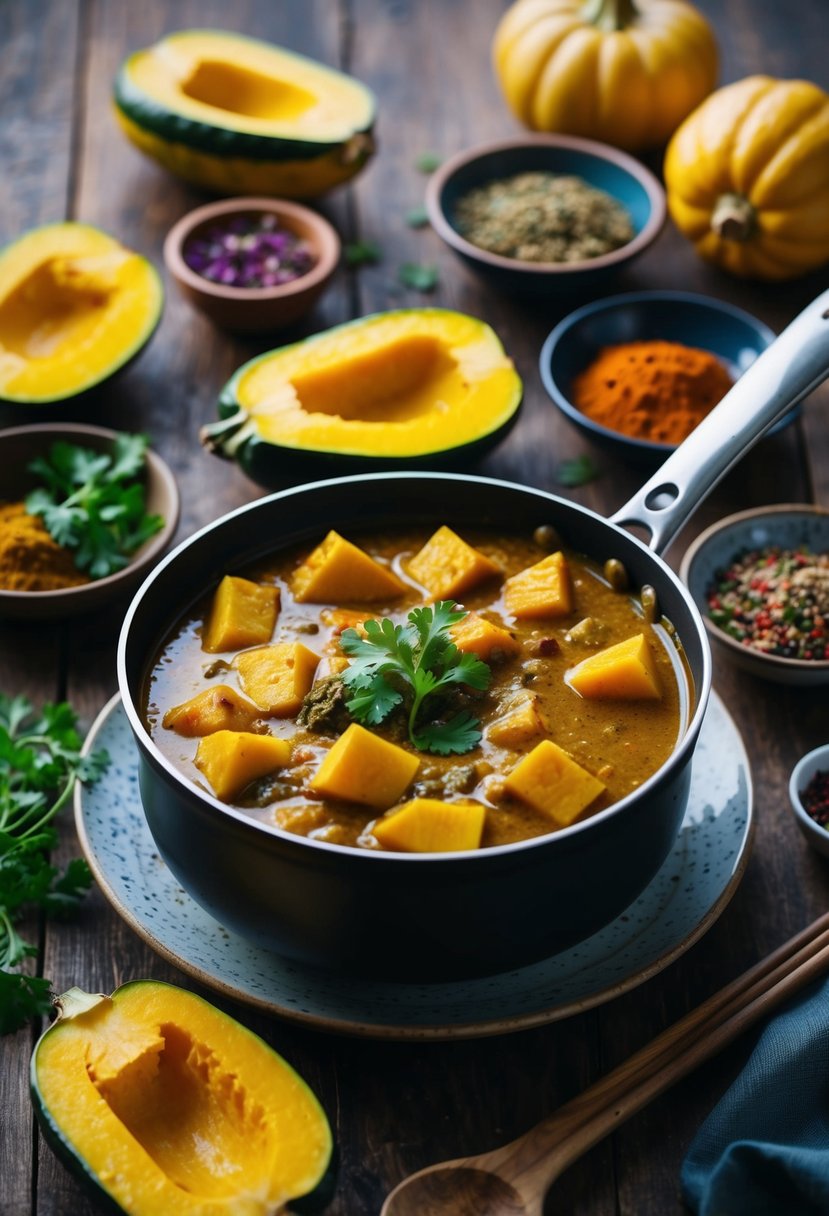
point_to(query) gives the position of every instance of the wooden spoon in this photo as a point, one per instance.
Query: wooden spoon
(513, 1180)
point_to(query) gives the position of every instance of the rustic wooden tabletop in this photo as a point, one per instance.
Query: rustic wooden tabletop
(395, 1106)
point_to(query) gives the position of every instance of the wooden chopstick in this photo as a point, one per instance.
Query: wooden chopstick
(697, 1036)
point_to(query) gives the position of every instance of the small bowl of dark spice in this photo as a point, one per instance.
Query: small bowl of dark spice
(545, 214)
(252, 264)
(761, 581)
(809, 796)
(85, 513)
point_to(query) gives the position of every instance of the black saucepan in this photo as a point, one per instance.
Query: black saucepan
(436, 915)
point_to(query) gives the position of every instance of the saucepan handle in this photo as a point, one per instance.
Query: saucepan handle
(794, 364)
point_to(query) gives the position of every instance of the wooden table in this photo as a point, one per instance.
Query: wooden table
(395, 1106)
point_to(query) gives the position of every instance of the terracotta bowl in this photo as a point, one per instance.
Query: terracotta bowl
(254, 309)
(19, 446)
(601, 166)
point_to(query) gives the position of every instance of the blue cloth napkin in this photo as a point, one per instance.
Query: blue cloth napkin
(764, 1149)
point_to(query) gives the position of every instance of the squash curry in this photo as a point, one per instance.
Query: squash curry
(421, 693)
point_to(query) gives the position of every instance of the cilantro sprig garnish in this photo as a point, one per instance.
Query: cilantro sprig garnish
(40, 761)
(93, 503)
(406, 665)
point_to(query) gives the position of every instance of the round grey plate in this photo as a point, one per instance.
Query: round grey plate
(685, 898)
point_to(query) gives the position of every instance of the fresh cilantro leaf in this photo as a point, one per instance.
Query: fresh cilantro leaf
(417, 217)
(421, 278)
(362, 253)
(427, 162)
(91, 502)
(40, 762)
(576, 472)
(392, 665)
(460, 734)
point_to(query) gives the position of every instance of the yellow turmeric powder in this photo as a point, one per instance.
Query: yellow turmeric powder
(651, 390)
(30, 560)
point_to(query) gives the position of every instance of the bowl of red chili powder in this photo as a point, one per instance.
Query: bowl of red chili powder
(636, 373)
(809, 796)
(760, 578)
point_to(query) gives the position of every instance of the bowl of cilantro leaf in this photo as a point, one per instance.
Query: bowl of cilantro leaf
(84, 514)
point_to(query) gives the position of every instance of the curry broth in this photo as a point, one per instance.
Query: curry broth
(621, 742)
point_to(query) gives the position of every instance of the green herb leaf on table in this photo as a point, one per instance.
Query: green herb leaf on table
(406, 665)
(427, 162)
(91, 502)
(417, 217)
(421, 278)
(362, 253)
(576, 472)
(40, 761)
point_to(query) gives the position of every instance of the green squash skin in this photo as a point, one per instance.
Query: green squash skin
(309, 1204)
(271, 465)
(125, 358)
(143, 110)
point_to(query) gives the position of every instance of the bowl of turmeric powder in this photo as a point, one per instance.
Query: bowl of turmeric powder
(85, 512)
(638, 372)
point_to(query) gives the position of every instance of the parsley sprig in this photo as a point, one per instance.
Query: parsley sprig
(40, 762)
(407, 665)
(93, 503)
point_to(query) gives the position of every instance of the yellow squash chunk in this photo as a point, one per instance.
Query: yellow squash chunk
(277, 677)
(231, 759)
(217, 708)
(551, 782)
(426, 825)
(339, 571)
(242, 614)
(476, 635)
(541, 590)
(362, 767)
(624, 672)
(447, 566)
(521, 722)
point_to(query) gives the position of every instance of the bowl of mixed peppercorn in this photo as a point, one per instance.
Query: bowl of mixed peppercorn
(545, 215)
(761, 581)
(252, 264)
(809, 796)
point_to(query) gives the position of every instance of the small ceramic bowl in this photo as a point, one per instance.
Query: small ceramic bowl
(816, 761)
(598, 164)
(734, 336)
(19, 446)
(787, 526)
(254, 309)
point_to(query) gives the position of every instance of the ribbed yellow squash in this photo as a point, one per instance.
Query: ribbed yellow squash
(623, 71)
(747, 176)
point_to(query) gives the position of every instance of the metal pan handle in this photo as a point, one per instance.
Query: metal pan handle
(795, 364)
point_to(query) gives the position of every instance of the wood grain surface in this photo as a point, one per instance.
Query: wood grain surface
(395, 1106)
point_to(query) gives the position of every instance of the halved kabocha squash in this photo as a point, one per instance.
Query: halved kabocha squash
(75, 307)
(161, 1103)
(419, 386)
(239, 116)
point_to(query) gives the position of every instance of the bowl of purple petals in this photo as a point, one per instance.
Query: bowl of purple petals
(252, 264)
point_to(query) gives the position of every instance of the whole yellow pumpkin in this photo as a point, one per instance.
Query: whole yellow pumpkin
(747, 177)
(620, 71)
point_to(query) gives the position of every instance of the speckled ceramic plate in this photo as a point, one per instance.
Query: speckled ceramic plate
(684, 899)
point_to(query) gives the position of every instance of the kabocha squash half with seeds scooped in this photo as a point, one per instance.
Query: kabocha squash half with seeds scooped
(161, 1103)
(75, 307)
(238, 116)
(421, 386)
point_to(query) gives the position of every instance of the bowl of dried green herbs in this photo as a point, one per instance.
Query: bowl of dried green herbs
(545, 215)
(85, 512)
